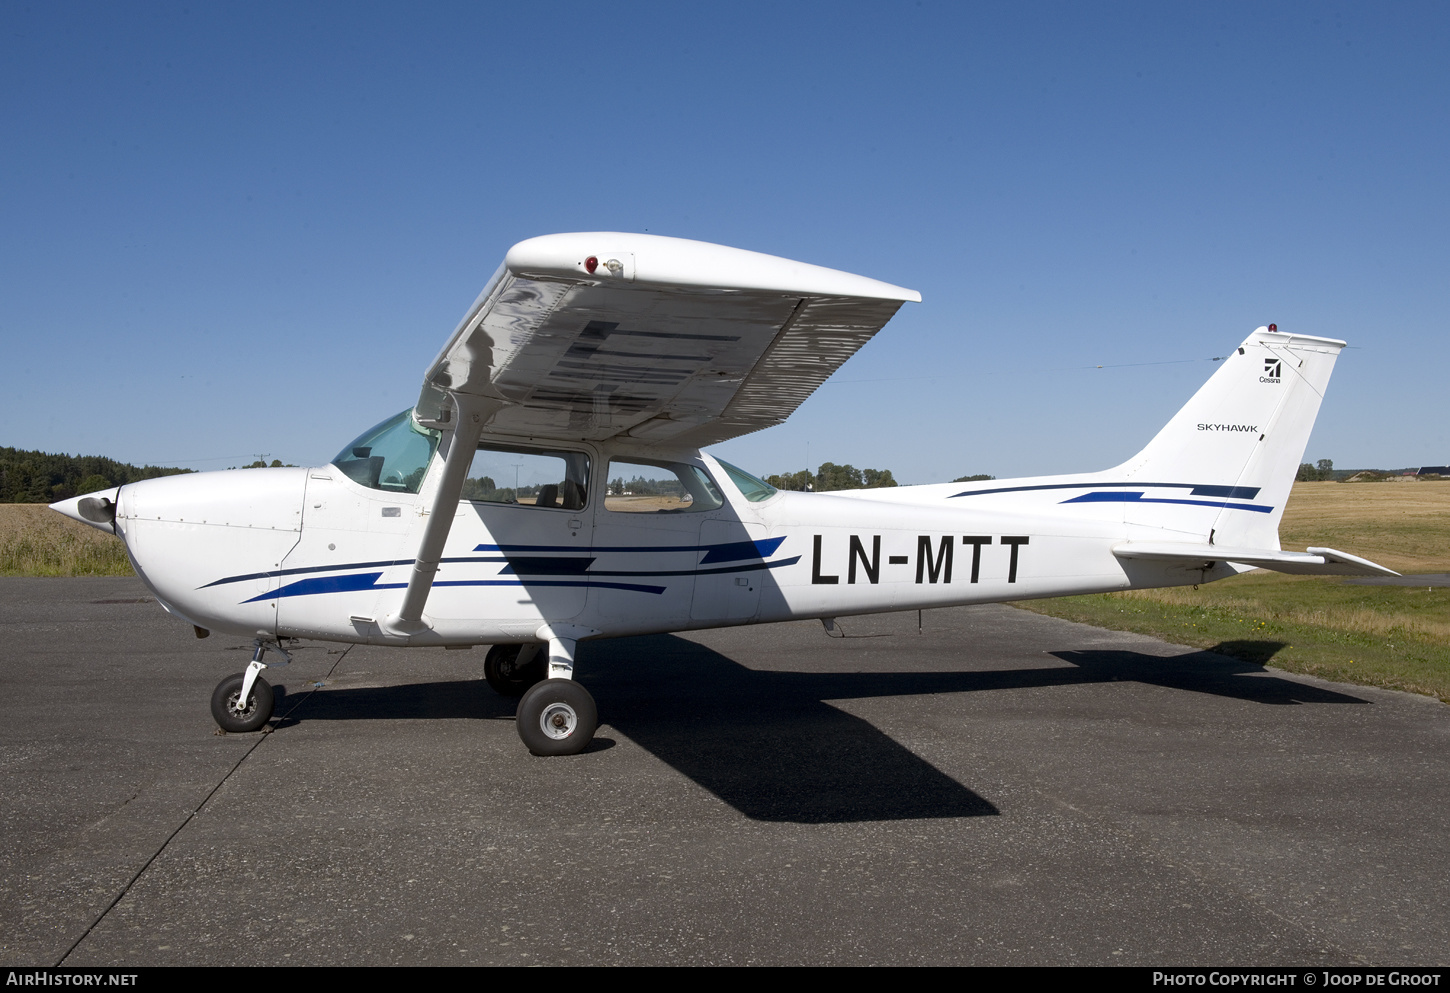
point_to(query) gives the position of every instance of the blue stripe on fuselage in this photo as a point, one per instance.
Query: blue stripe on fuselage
(731, 551)
(1195, 489)
(728, 552)
(532, 566)
(369, 581)
(1122, 497)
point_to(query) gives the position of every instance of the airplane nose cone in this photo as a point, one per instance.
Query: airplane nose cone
(209, 544)
(96, 509)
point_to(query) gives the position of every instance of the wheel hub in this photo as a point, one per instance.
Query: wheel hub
(558, 720)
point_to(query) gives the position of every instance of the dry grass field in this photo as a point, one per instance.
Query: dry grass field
(36, 541)
(1393, 636)
(1404, 525)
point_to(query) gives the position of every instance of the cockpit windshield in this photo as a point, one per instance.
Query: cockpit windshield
(392, 456)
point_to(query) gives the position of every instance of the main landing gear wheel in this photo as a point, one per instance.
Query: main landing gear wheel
(557, 717)
(236, 719)
(506, 676)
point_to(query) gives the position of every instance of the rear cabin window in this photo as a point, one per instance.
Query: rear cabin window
(660, 488)
(528, 477)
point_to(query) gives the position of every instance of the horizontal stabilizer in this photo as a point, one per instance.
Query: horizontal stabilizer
(1314, 562)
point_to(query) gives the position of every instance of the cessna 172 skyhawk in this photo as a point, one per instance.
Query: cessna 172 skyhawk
(592, 364)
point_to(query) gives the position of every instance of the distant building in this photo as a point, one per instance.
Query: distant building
(1434, 470)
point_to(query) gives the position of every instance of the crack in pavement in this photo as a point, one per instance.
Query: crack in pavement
(263, 736)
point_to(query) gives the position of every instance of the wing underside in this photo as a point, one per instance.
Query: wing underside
(692, 356)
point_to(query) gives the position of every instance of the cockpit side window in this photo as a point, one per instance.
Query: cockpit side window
(528, 477)
(392, 456)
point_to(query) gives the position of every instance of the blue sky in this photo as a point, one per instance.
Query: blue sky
(235, 230)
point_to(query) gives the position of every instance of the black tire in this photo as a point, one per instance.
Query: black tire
(506, 676)
(258, 710)
(557, 717)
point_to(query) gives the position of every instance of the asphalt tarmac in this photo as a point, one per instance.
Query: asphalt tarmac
(998, 788)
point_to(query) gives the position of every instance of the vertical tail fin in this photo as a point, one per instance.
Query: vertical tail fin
(1239, 441)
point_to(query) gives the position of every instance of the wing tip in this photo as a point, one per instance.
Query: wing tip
(662, 260)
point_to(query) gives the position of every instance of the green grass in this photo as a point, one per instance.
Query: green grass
(1377, 635)
(1391, 636)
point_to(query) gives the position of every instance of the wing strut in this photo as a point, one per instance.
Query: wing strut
(470, 412)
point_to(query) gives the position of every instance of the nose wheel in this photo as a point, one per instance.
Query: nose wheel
(235, 715)
(244, 702)
(557, 717)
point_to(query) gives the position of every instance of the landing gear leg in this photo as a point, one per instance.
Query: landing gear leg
(244, 702)
(558, 716)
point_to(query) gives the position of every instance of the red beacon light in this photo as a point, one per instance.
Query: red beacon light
(1272, 327)
(590, 264)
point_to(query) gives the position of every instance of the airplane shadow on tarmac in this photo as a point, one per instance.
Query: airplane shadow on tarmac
(1218, 670)
(769, 744)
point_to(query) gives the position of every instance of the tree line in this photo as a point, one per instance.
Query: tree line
(485, 489)
(639, 486)
(832, 477)
(844, 477)
(40, 477)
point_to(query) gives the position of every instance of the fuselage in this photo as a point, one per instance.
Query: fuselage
(315, 553)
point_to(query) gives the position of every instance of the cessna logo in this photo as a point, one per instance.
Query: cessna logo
(1271, 371)
(1243, 428)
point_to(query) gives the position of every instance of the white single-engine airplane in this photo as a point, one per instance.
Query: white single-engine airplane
(588, 374)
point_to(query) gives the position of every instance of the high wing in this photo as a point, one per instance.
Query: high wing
(599, 335)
